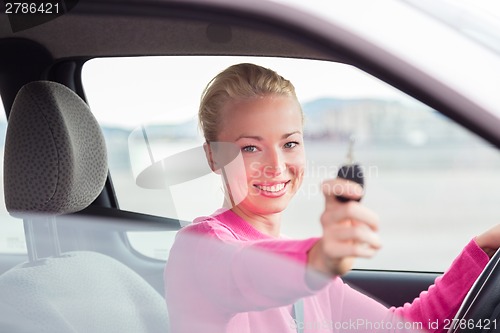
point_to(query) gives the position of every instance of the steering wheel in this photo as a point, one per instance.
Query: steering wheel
(480, 310)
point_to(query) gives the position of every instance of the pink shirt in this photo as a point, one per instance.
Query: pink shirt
(225, 276)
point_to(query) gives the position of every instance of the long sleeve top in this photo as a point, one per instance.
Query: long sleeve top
(223, 275)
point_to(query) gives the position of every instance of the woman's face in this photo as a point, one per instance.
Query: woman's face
(268, 133)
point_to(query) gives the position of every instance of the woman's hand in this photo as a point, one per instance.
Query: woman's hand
(489, 240)
(349, 230)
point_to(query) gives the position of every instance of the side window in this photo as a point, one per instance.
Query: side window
(433, 183)
(11, 229)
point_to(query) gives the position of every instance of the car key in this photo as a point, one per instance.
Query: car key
(350, 171)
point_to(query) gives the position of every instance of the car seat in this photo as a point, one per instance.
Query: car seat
(54, 164)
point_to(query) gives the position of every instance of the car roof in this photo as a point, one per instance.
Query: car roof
(95, 28)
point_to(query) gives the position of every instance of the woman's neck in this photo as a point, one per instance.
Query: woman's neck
(266, 224)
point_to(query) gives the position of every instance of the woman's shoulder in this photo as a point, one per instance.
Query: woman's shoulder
(213, 225)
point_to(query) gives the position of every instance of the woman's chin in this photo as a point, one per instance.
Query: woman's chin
(267, 206)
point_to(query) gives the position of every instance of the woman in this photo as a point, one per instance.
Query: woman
(233, 272)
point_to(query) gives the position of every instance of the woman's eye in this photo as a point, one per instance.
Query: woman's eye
(290, 144)
(249, 149)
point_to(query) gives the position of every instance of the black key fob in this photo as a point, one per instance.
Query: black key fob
(351, 171)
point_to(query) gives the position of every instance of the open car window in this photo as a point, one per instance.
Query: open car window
(433, 183)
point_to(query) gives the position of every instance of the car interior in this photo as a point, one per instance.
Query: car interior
(79, 270)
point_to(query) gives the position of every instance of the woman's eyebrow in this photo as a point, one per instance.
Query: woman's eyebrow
(290, 134)
(259, 138)
(255, 137)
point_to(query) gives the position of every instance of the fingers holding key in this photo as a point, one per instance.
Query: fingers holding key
(350, 229)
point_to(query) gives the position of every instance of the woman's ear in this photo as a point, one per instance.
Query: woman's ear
(210, 158)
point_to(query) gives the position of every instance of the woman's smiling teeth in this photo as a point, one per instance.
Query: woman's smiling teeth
(273, 188)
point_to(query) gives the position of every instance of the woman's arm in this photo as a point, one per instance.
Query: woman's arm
(489, 241)
(442, 300)
(208, 264)
(430, 312)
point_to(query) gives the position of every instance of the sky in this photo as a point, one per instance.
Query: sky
(164, 91)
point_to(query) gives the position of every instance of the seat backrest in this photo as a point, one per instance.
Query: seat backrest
(55, 163)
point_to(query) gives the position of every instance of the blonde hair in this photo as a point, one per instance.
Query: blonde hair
(238, 82)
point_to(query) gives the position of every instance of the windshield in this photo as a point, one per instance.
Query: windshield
(478, 21)
(458, 50)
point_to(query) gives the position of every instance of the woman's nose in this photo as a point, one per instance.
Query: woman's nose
(275, 164)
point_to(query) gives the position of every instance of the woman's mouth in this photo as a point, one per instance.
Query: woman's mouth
(272, 190)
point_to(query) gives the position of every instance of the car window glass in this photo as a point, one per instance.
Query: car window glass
(434, 184)
(11, 229)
